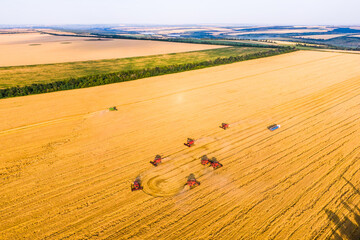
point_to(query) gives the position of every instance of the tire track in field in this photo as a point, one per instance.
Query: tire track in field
(298, 131)
(231, 80)
(222, 216)
(225, 156)
(258, 132)
(210, 135)
(238, 217)
(50, 122)
(318, 214)
(7, 131)
(315, 235)
(284, 211)
(287, 154)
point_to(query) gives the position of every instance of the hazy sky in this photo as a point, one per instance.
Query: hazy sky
(271, 12)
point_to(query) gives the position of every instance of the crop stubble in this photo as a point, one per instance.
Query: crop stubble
(67, 164)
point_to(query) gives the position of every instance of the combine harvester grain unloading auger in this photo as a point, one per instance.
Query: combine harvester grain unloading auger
(192, 182)
(224, 126)
(136, 185)
(156, 161)
(273, 127)
(190, 142)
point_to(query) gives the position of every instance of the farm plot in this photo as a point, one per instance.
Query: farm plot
(36, 48)
(324, 36)
(67, 163)
(26, 75)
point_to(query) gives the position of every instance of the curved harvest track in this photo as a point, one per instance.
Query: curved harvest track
(66, 163)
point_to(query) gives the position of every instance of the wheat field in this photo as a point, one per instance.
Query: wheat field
(35, 48)
(325, 36)
(67, 163)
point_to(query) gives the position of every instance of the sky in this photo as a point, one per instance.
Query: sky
(169, 12)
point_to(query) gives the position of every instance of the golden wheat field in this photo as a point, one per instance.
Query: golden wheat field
(325, 36)
(67, 163)
(274, 31)
(36, 48)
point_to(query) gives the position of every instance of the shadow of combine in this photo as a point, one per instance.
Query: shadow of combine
(344, 227)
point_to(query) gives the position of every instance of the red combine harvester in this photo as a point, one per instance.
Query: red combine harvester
(156, 161)
(205, 160)
(224, 126)
(192, 182)
(136, 185)
(215, 163)
(189, 142)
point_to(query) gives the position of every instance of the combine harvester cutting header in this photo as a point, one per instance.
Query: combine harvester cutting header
(136, 185)
(224, 126)
(156, 161)
(192, 182)
(190, 142)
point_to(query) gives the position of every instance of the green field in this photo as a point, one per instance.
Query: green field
(26, 75)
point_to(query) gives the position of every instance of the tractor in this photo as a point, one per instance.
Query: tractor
(190, 142)
(273, 127)
(156, 161)
(224, 126)
(192, 182)
(136, 185)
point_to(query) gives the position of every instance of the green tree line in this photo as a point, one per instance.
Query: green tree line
(102, 79)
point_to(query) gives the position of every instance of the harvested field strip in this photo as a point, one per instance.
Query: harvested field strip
(169, 94)
(235, 173)
(282, 184)
(320, 214)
